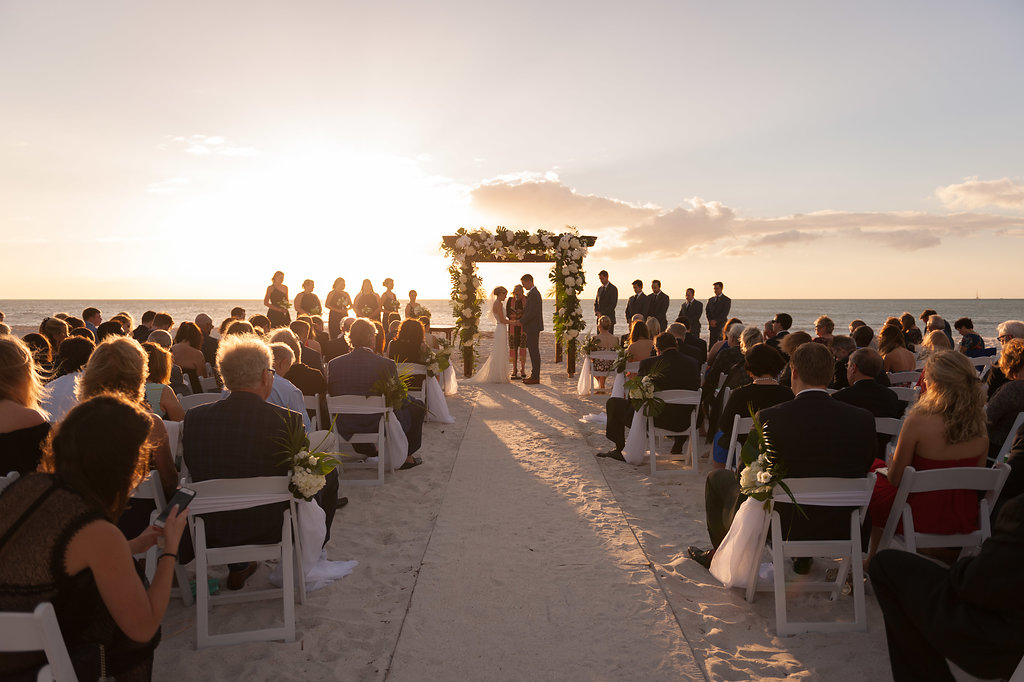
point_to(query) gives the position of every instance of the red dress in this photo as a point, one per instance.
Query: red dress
(943, 512)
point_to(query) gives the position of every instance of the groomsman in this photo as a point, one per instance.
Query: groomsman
(690, 312)
(657, 304)
(717, 311)
(637, 303)
(607, 299)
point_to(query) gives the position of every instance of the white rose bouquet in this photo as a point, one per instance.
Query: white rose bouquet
(308, 466)
(762, 469)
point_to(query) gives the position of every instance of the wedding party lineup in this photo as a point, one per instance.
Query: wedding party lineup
(568, 342)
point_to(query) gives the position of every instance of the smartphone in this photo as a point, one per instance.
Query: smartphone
(181, 499)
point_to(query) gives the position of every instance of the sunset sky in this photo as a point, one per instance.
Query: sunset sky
(792, 149)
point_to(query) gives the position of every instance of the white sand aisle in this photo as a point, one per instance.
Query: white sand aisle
(531, 571)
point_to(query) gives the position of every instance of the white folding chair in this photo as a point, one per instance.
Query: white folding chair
(414, 370)
(151, 489)
(338, 405)
(209, 384)
(907, 395)
(38, 631)
(228, 494)
(675, 397)
(982, 479)
(312, 404)
(1004, 450)
(740, 425)
(607, 355)
(190, 401)
(817, 492)
(889, 426)
(1018, 674)
(982, 364)
(174, 440)
(908, 378)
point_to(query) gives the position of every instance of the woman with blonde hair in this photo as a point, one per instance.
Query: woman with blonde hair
(23, 425)
(653, 327)
(159, 396)
(640, 345)
(605, 341)
(823, 327)
(893, 349)
(945, 428)
(119, 365)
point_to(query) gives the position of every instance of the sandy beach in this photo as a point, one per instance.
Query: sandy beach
(513, 553)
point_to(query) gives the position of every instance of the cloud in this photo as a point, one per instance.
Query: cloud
(975, 193)
(630, 230)
(206, 145)
(167, 186)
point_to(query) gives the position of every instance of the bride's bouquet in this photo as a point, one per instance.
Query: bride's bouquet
(308, 466)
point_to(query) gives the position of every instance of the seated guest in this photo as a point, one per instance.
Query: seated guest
(92, 318)
(636, 318)
(379, 338)
(823, 328)
(108, 329)
(141, 333)
(59, 544)
(177, 382)
(728, 363)
(409, 347)
(242, 436)
(691, 340)
(1008, 401)
(55, 331)
(261, 324)
(721, 342)
(336, 346)
(431, 340)
(243, 328)
(126, 322)
(42, 354)
(781, 324)
(678, 330)
(640, 345)
(163, 321)
(934, 341)
(968, 613)
(188, 352)
(841, 347)
(1010, 329)
(319, 332)
(60, 393)
(606, 341)
(763, 364)
(356, 374)
(936, 322)
(970, 341)
(310, 355)
(653, 327)
(238, 313)
(311, 340)
(893, 349)
(283, 393)
(789, 344)
(393, 327)
(209, 343)
(911, 332)
(814, 436)
(308, 380)
(670, 370)
(944, 428)
(159, 395)
(865, 337)
(23, 426)
(750, 337)
(863, 391)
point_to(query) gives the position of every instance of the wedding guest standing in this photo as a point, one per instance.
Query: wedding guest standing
(637, 303)
(657, 304)
(606, 300)
(717, 311)
(367, 303)
(690, 312)
(276, 300)
(338, 303)
(306, 302)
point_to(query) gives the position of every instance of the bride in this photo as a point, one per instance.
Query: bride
(496, 369)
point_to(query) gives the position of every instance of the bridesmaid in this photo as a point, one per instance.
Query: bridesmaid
(338, 303)
(367, 303)
(276, 300)
(388, 301)
(306, 302)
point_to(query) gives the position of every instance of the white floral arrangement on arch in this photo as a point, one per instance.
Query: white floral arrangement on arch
(567, 250)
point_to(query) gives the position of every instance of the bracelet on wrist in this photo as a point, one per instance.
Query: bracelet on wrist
(170, 554)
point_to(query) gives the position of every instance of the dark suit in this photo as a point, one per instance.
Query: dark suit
(533, 325)
(636, 305)
(311, 358)
(971, 613)
(691, 312)
(776, 341)
(141, 333)
(694, 341)
(657, 307)
(674, 371)
(876, 399)
(717, 310)
(239, 437)
(606, 301)
(816, 436)
(355, 374)
(210, 350)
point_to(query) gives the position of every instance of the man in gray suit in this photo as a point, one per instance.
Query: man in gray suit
(533, 325)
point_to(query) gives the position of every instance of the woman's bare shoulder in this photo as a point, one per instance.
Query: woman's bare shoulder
(14, 416)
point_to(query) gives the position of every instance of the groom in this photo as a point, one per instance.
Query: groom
(533, 324)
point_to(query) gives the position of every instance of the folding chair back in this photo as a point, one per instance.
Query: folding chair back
(740, 425)
(312, 404)
(151, 489)
(675, 397)
(819, 492)
(227, 494)
(338, 405)
(1004, 450)
(38, 631)
(415, 370)
(907, 395)
(607, 355)
(190, 401)
(174, 440)
(907, 378)
(209, 384)
(981, 479)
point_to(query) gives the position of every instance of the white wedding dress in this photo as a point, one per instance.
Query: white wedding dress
(496, 369)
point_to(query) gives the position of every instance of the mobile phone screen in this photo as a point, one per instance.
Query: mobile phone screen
(181, 499)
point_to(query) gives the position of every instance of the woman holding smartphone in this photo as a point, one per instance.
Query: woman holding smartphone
(59, 544)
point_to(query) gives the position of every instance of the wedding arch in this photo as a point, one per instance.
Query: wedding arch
(566, 250)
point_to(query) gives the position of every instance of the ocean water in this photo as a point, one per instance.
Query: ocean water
(986, 313)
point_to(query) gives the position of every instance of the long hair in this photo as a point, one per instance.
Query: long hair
(954, 393)
(19, 380)
(99, 449)
(118, 365)
(890, 338)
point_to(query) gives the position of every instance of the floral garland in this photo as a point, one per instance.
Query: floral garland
(567, 250)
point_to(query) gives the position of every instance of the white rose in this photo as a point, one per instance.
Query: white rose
(764, 477)
(462, 242)
(561, 312)
(573, 333)
(467, 312)
(462, 279)
(534, 239)
(470, 250)
(565, 270)
(569, 281)
(573, 268)
(574, 243)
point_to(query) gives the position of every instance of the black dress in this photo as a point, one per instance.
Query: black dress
(21, 450)
(334, 318)
(278, 319)
(367, 305)
(310, 303)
